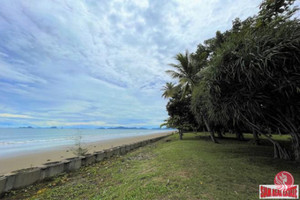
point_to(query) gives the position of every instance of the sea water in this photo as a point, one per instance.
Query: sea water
(18, 141)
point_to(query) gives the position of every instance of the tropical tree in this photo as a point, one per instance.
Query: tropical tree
(245, 79)
(180, 114)
(178, 107)
(200, 103)
(185, 71)
(275, 11)
(169, 90)
(257, 80)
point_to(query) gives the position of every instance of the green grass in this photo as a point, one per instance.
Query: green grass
(193, 168)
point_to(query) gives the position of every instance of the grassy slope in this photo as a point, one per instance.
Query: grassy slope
(194, 168)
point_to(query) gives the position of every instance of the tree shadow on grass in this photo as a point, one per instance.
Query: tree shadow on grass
(233, 140)
(207, 138)
(259, 155)
(197, 137)
(246, 150)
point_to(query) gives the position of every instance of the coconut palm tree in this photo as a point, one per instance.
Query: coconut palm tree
(169, 90)
(185, 71)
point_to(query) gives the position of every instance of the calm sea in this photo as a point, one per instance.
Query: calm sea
(19, 141)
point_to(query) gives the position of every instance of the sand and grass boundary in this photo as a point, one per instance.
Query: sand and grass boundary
(25, 177)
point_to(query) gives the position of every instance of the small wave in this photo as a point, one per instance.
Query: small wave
(37, 141)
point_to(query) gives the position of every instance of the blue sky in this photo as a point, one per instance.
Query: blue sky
(98, 63)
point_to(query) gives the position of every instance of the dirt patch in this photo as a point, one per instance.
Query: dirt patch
(183, 174)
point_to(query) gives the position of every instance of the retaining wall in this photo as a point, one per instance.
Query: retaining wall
(26, 177)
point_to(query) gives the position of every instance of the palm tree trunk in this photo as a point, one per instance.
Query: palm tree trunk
(180, 134)
(296, 145)
(219, 134)
(212, 135)
(256, 138)
(207, 125)
(279, 151)
(239, 135)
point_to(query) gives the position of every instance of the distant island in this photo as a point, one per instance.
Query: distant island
(26, 127)
(122, 127)
(118, 127)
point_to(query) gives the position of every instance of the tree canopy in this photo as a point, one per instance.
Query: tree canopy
(246, 79)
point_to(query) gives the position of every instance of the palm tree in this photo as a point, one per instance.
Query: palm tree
(169, 90)
(186, 71)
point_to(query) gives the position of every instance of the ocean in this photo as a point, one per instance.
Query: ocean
(18, 141)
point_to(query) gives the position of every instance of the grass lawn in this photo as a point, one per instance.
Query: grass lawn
(194, 168)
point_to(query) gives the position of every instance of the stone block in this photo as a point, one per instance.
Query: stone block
(52, 169)
(10, 182)
(26, 177)
(116, 151)
(100, 155)
(140, 143)
(89, 159)
(132, 146)
(128, 148)
(109, 153)
(72, 164)
(2, 184)
(123, 150)
(144, 143)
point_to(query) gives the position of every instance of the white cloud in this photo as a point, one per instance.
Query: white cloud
(100, 61)
(7, 115)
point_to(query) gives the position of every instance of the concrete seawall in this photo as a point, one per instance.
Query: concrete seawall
(26, 177)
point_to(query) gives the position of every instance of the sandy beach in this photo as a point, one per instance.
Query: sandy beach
(35, 159)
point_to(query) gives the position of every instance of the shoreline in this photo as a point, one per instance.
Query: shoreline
(36, 159)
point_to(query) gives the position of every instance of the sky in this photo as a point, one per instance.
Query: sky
(92, 63)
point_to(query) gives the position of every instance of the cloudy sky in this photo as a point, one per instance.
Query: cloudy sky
(98, 62)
